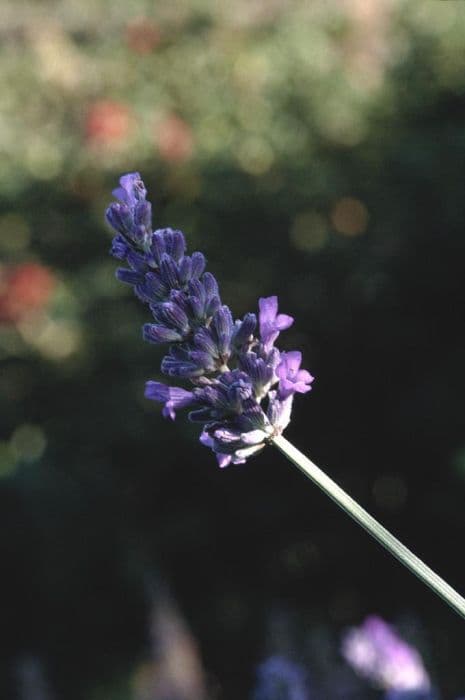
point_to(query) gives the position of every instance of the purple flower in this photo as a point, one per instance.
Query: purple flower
(131, 217)
(412, 695)
(375, 651)
(131, 189)
(281, 679)
(173, 397)
(292, 379)
(241, 386)
(270, 322)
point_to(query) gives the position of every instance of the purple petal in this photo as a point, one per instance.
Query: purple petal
(156, 333)
(206, 440)
(268, 308)
(226, 436)
(131, 189)
(210, 284)
(304, 376)
(279, 412)
(283, 321)
(119, 216)
(185, 270)
(223, 460)
(292, 360)
(198, 264)
(123, 274)
(286, 387)
(174, 316)
(253, 437)
(301, 388)
(174, 397)
(169, 271)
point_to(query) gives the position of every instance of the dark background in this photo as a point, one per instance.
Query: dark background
(314, 153)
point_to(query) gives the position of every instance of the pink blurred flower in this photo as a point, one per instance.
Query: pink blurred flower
(24, 289)
(107, 123)
(174, 139)
(142, 35)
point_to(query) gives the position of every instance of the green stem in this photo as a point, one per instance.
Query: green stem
(372, 526)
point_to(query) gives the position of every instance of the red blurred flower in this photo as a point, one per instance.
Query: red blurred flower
(174, 139)
(108, 122)
(142, 35)
(24, 289)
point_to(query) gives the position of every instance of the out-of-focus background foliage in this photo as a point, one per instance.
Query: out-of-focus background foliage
(315, 150)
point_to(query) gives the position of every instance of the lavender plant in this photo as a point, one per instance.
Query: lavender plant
(241, 387)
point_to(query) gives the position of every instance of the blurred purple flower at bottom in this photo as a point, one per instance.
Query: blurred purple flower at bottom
(377, 653)
(280, 679)
(411, 695)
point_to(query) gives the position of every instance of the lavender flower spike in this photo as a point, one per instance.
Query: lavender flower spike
(241, 387)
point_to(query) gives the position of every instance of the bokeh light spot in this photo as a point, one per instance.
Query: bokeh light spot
(174, 139)
(54, 339)
(15, 233)
(142, 35)
(309, 231)
(7, 459)
(349, 216)
(255, 156)
(28, 442)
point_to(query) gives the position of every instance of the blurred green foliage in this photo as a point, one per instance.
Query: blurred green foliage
(313, 150)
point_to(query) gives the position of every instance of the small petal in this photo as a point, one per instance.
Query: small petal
(203, 340)
(210, 284)
(185, 270)
(174, 397)
(156, 333)
(244, 453)
(123, 274)
(154, 288)
(169, 271)
(205, 439)
(131, 189)
(269, 322)
(198, 264)
(291, 378)
(223, 460)
(143, 215)
(119, 216)
(268, 308)
(293, 360)
(212, 307)
(157, 246)
(119, 247)
(254, 437)
(283, 321)
(175, 243)
(244, 330)
(174, 316)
